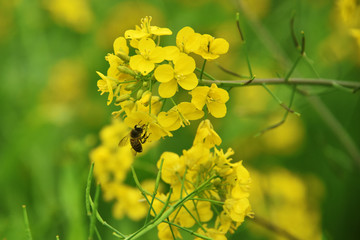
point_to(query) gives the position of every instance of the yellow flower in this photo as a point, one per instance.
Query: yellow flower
(214, 98)
(182, 73)
(179, 115)
(206, 135)
(237, 209)
(154, 130)
(146, 30)
(129, 202)
(164, 232)
(196, 157)
(173, 167)
(149, 54)
(106, 84)
(212, 233)
(210, 47)
(187, 40)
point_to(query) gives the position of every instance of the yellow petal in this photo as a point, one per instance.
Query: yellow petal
(164, 73)
(184, 64)
(120, 45)
(146, 45)
(187, 40)
(169, 120)
(188, 82)
(134, 34)
(139, 63)
(170, 52)
(157, 55)
(160, 31)
(108, 83)
(216, 109)
(168, 89)
(199, 95)
(218, 94)
(189, 111)
(219, 46)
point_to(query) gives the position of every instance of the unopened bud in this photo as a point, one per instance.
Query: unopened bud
(145, 98)
(123, 56)
(139, 94)
(130, 86)
(122, 98)
(145, 84)
(126, 70)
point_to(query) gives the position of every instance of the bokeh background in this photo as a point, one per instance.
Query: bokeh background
(305, 173)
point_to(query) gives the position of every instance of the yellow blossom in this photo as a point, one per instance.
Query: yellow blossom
(213, 233)
(146, 30)
(187, 40)
(106, 84)
(196, 157)
(206, 135)
(182, 73)
(210, 47)
(179, 115)
(129, 202)
(237, 208)
(164, 232)
(173, 167)
(214, 98)
(149, 54)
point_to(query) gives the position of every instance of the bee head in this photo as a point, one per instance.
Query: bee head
(138, 128)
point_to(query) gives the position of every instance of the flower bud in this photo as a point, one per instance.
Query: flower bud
(139, 94)
(122, 98)
(123, 57)
(130, 86)
(126, 70)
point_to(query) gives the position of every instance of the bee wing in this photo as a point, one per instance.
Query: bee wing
(124, 141)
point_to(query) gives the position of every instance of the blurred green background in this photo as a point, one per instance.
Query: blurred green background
(305, 178)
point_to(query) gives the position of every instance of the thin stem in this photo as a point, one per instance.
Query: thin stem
(284, 117)
(27, 225)
(270, 226)
(291, 81)
(87, 191)
(189, 231)
(205, 74)
(202, 70)
(169, 211)
(141, 189)
(157, 182)
(150, 89)
(94, 210)
(101, 220)
(293, 68)
(279, 101)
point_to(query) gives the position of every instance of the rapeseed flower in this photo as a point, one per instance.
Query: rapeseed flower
(214, 98)
(181, 73)
(179, 115)
(146, 30)
(211, 48)
(187, 40)
(149, 54)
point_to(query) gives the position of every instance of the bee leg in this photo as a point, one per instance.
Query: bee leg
(144, 138)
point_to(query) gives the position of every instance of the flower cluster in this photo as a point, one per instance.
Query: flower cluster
(141, 83)
(111, 165)
(227, 188)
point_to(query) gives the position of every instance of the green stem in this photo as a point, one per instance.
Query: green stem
(293, 68)
(189, 231)
(284, 117)
(94, 210)
(87, 191)
(205, 74)
(279, 101)
(202, 70)
(27, 225)
(168, 212)
(281, 81)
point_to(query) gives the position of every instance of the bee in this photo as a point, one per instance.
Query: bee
(137, 136)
